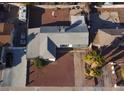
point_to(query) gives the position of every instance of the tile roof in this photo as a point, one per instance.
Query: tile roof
(5, 28)
(114, 31)
(4, 39)
(5, 32)
(56, 17)
(58, 73)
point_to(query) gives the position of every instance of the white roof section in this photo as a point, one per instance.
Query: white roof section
(47, 48)
(33, 43)
(44, 44)
(77, 18)
(67, 38)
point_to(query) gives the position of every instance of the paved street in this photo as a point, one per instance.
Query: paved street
(16, 76)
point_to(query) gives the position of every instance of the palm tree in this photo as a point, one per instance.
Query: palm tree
(94, 59)
(95, 72)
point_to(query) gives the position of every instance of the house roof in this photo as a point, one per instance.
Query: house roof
(120, 12)
(114, 31)
(5, 32)
(4, 39)
(77, 25)
(45, 43)
(107, 36)
(56, 17)
(5, 28)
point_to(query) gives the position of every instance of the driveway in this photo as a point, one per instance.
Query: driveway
(16, 75)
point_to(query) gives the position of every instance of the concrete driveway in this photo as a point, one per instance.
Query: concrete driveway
(16, 75)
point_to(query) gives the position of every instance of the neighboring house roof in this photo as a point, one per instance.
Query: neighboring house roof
(120, 12)
(107, 36)
(56, 17)
(5, 32)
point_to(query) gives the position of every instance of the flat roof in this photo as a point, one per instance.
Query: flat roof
(56, 17)
(44, 44)
(61, 29)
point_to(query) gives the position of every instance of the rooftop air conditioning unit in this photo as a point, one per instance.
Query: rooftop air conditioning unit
(51, 59)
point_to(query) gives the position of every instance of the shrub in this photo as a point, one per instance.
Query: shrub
(39, 62)
(94, 59)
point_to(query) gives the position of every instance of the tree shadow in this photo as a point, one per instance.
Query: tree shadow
(115, 51)
(31, 36)
(57, 23)
(73, 25)
(97, 23)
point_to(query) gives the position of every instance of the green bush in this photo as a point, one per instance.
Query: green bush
(94, 59)
(39, 62)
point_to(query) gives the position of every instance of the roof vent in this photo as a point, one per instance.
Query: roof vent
(53, 13)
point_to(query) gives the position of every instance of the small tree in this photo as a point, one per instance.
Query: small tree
(91, 73)
(38, 62)
(95, 72)
(94, 59)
